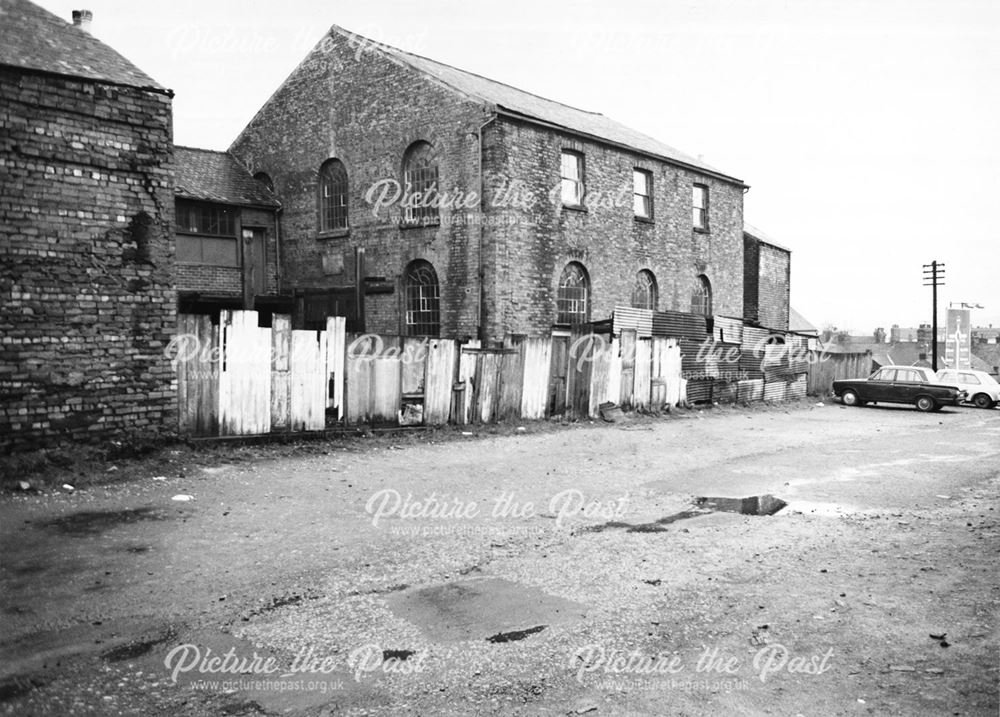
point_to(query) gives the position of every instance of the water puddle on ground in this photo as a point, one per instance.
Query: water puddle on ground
(94, 522)
(754, 505)
(492, 609)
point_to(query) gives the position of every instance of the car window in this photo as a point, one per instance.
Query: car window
(885, 374)
(904, 374)
(947, 376)
(970, 378)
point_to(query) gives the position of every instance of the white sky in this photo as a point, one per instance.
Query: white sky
(868, 130)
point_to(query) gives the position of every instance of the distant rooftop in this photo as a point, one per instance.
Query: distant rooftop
(34, 39)
(212, 176)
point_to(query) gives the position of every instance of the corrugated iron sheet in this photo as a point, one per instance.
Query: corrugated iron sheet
(639, 320)
(681, 325)
(728, 330)
(751, 390)
(699, 391)
(776, 391)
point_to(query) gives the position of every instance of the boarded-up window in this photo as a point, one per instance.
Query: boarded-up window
(573, 298)
(423, 301)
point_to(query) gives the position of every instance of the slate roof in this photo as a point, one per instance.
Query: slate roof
(33, 38)
(518, 102)
(798, 323)
(761, 236)
(212, 176)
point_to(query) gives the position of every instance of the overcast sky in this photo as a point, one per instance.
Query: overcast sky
(868, 131)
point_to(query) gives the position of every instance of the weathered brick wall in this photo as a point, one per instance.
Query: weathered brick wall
(355, 105)
(774, 284)
(87, 301)
(768, 282)
(534, 243)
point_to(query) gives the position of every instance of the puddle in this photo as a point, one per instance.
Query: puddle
(132, 650)
(19, 686)
(98, 521)
(754, 505)
(490, 609)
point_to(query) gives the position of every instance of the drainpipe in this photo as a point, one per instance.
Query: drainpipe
(277, 249)
(481, 224)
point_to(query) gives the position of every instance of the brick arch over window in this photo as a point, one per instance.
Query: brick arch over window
(573, 295)
(332, 198)
(422, 294)
(420, 183)
(265, 179)
(645, 293)
(701, 296)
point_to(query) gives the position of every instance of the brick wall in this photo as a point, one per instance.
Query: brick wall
(768, 279)
(365, 110)
(87, 302)
(533, 244)
(360, 107)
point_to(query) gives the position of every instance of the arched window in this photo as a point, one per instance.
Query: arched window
(420, 178)
(265, 179)
(644, 295)
(423, 300)
(332, 196)
(701, 297)
(573, 297)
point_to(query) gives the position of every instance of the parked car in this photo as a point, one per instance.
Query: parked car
(983, 389)
(899, 384)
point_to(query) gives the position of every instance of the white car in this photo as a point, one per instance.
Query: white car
(983, 389)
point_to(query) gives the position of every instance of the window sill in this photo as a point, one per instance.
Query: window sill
(421, 224)
(701, 230)
(644, 220)
(334, 234)
(575, 208)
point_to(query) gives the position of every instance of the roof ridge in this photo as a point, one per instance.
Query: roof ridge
(391, 49)
(202, 149)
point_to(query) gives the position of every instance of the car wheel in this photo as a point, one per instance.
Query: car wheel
(925, 404)
(850, 398)
(983, 401)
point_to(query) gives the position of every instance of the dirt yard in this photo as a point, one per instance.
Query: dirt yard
(549, 571)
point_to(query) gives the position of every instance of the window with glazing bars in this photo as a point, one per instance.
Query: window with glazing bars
(420, 178)
(699, 209)
(644, 292)
(423, 300)
(571, 172)
(701, 297)
(332, 196)
(573, 298)
(642, 193)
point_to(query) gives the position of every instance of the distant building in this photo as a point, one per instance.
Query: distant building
(767, 271)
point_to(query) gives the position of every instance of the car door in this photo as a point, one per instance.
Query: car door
(879, 386)
(907, 385)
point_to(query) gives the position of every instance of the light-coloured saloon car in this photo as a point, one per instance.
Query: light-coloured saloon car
(983, 389)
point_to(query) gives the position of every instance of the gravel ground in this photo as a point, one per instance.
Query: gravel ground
(520, 571)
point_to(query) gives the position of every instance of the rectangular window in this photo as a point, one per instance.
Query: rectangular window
(642, 193)
(700, 207)
(206, 234)
(571, 171)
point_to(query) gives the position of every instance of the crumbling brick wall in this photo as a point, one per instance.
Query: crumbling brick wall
(87, 299)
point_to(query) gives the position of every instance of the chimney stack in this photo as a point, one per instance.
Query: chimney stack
(894, 333)
(82, 18)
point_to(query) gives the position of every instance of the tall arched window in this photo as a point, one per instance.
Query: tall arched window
(644, 295)
(573, 297)
(420, 178)
(423, 300)
(701, 297)
(332, 196)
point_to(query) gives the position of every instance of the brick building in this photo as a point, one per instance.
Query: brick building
(87, 295)
(426, 200)
(227, 235)
(767, 284)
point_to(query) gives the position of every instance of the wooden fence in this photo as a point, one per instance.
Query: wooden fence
(825, 368)
(244, 379)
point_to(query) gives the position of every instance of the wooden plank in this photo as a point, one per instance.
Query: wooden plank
(487, 394)
(336, 335)
(308, 380)
(358, 387)
(579, 371)
(385, 388)
(535, 383)
(628, 349)
(511, 377)
(414, 364)
(600, 367)
(281, 347)
(463, 402)
(558, 376)
(614, 392)
(643, 369)
(440, 375)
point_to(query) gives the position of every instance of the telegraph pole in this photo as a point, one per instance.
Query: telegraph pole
(934, 277)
